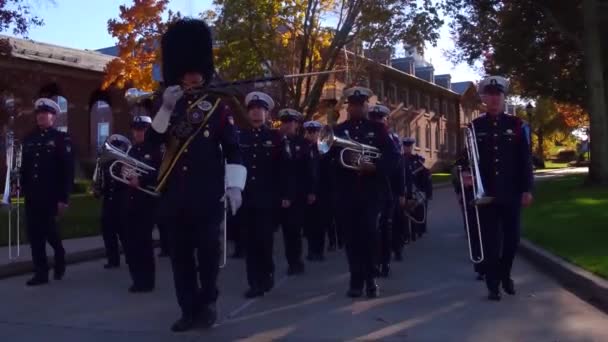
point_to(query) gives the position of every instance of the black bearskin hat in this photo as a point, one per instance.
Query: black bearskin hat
(186, 46)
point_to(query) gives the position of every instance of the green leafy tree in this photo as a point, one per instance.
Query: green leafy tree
(294, 36)
(554, 49)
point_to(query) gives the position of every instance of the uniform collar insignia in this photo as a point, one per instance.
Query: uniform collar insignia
(147, 156)
(50, 143)
(205, 106)
(268, 143)
(371, 134)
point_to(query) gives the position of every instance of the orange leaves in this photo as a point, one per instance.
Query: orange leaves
(574, 116)
(138, 30)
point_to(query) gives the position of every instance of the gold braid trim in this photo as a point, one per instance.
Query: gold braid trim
(169, 161)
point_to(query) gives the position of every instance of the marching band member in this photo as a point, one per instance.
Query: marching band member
(47, 177)
(138, 205)
(360, 192)
(505, 166)
(418, 179)
(202, 168)
(316, 226)
(292, 212)
(395, 196)
(267, 163)
(112, 225)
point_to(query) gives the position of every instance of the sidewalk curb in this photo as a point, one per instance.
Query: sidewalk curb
(584, 284)
(25, 267)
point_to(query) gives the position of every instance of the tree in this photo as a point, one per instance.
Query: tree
(552, 49)
(16, 14)
(138, 30)
(284, 37)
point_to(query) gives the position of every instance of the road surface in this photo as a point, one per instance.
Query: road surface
(432, 296)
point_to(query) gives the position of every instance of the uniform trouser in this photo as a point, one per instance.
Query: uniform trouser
(42, 228)
(360, 224)
(195, 251)
(473, 236)
(259, 241)
(163, 234)
(112, 230)
(236, 231)
(292, 225)
(140, 249)
(335, 237)
(316, 228)
(500, 230)
(386, 233)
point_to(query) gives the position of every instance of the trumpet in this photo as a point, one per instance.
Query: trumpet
(129, 167)
(360, 153)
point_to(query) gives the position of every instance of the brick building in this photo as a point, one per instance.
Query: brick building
(89, 114)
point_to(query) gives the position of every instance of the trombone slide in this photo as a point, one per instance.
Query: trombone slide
(476, 258)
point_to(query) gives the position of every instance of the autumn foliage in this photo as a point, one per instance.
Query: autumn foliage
(574, 116)
(138, 30)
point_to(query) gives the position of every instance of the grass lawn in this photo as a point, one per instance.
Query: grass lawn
(570, 221)
(552, 165)
(439, 178)
(81, 219)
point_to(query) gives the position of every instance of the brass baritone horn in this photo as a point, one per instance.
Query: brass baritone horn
(361, 153)
(129, 166)
(135, 96)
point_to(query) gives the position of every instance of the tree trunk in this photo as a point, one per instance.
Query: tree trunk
(598, 110)
(540, 149)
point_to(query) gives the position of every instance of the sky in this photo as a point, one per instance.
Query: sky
(82, 24)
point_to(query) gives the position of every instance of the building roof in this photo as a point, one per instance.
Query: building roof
(54, 54)
(462, 87)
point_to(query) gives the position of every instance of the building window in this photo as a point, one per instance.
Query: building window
(418, 99)
(436, 106)
(444, 108)
(427, 103)
(438, 137)
(445, 140)
(392, 94)
(427, 137)
(61, 121)
(103, 132)
(379, 90)
(417, 137)
(405, 97)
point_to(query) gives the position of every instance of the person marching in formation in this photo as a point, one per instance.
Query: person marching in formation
(360, 193)
(505, 166)
(315, 226)
(419, 190)
(292, 211)
(202, 168)
(112, 191)
(137, 208)
(394, 197)
(47, 177)
(267, 162)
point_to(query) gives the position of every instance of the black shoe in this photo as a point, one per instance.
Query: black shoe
(385, 270)
(372, 289)
(185, 323)
(398, 256)
(163, 254)
(141, 289)
(254, 292)
(509, 287)
(110, 266)
(480, 276)
(494, 295)
(37, 280)
(354, 292)
(208, 315)
(295, 269)
(311, 257)
(237, 255)
(268, 284)
(59, 272)
(331, 248)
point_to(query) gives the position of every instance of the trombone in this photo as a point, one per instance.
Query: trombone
(12, 185)
(129, 167)
(361, 153)
(479, 193)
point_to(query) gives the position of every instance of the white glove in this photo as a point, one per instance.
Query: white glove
(170, 97)
(234, 198)
(162, 118)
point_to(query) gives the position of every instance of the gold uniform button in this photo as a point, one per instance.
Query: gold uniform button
(497, 173)
(35, 176)
(253, 166)
(37, 154)
(35, 165)
(186, 151)
(185, 168)
(495, 134)
(254, 156)
(252, 177)
(496, 147)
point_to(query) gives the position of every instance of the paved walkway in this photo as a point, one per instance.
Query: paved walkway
(431, 297)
